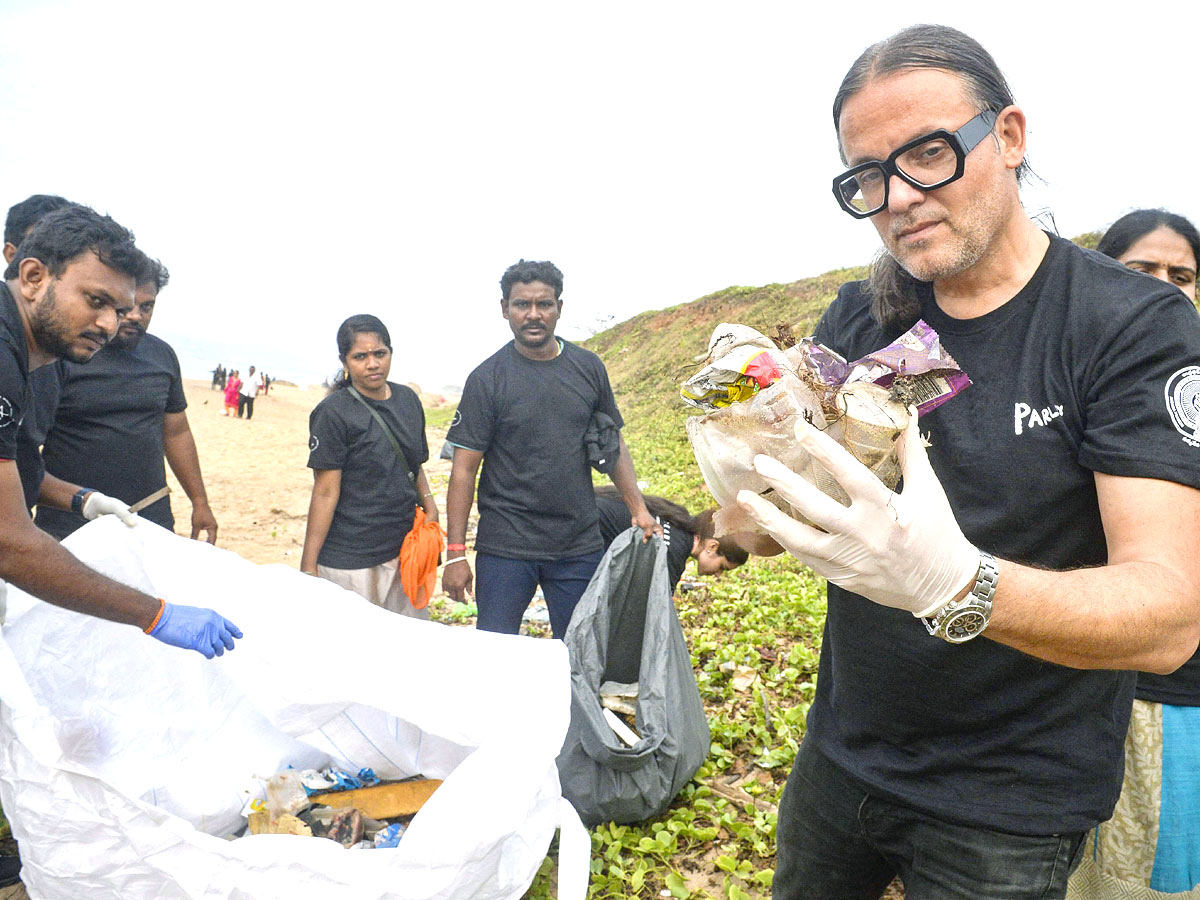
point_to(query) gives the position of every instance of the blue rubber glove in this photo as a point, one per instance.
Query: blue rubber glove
(194, 628)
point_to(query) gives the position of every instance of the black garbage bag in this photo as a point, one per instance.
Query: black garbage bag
(625, 629)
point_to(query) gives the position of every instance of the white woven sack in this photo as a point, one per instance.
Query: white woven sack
(124, 762)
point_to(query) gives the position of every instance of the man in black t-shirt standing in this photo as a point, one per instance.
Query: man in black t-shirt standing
(523, 415)
(985, 623)
(115, 418)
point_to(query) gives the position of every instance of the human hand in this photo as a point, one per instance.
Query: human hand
(904, 550)
(195, 628)
(648, 524)
(458, 581)
(97, 504)
(204, 520)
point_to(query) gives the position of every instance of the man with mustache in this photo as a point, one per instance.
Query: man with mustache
(985, 623)
(69, 283)
(114, 420)
(523, 415)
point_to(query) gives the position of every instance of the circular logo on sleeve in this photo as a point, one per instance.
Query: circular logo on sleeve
(313, 443)
(457, 418)
(1183, 403)
(6, 411)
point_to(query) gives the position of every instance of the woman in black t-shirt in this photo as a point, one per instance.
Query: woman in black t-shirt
(367, 449)
(688, 536)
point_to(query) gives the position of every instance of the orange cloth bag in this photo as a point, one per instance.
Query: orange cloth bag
(419, 560)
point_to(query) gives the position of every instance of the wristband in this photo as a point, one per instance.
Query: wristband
(456, 559)
(461, 548)
(162, 605)
(77, 500)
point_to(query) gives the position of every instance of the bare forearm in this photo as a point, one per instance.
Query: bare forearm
(459, 497)
(38, 564)
(180, 449)
(428, 502)
(320, 517)
(57, 493)
(625, 479)
(1132, 615)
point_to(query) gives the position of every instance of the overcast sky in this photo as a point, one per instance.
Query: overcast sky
(294, 163)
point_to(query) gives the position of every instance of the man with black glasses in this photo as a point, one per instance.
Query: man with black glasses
(985, 623)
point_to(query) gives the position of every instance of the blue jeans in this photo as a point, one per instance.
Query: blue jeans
(504, 587)
(839, 842)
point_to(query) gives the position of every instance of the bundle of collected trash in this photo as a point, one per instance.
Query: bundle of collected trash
(756, 392)
(357, 811)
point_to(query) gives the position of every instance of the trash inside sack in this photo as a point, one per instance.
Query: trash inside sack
(755, 394)
(357, 811)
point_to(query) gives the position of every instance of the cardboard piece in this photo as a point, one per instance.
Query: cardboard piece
(383, 801)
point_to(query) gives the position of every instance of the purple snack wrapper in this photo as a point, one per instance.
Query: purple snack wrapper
(917, 353)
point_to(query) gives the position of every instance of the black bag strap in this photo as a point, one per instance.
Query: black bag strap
(382, 424)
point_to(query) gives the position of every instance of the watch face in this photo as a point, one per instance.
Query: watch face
(964, 625)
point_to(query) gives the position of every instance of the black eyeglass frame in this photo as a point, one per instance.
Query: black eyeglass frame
(962, 142)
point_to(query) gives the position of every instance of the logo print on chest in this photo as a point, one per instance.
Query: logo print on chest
(1026, 417)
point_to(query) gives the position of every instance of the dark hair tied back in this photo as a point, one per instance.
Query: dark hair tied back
(895, 294)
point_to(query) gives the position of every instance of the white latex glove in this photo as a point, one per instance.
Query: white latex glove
(904, 550)
(97, 504)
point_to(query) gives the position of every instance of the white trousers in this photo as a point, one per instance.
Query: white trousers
(380, 584)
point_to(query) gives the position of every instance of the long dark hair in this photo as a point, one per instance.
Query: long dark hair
(355, 325)
(1134, 226)
(700, 524)
(895, 294)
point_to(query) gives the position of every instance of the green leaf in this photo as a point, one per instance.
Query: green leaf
(677, 887)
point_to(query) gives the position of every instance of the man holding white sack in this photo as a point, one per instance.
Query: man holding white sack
(984, 623)
(66, 289)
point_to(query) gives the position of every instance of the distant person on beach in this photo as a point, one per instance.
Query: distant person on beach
(233, 386)
(66, 289)
(116, 418)
(524, 414)
(246, 394)
(687, 536)
(367, 450)
(985, 622)
(218, 381)
(1151, 845)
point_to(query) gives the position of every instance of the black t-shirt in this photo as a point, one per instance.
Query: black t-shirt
(528, 418)
(1068, 380)
(378, 495)
(615, 519)
(14, 394)
(108, 428)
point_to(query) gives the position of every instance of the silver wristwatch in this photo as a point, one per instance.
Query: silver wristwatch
(961, 620)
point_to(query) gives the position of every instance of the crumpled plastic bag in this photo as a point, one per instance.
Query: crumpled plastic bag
(862, 405)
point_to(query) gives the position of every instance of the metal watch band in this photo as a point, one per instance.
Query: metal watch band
(962, 620)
